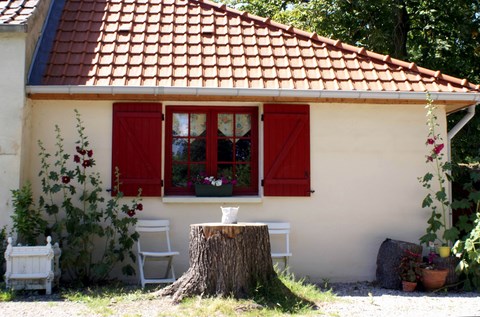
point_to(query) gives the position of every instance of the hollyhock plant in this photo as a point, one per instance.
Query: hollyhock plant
(434, 182)
(96, 230)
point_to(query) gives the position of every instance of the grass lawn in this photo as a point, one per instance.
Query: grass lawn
(129, 301)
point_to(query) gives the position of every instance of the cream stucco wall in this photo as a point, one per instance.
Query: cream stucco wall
(365, 161)
(16, 53)
(12, 83)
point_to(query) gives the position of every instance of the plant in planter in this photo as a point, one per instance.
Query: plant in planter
(209, 186)
(432, 276)
(27, 221)
(435, 182)
(409, 270)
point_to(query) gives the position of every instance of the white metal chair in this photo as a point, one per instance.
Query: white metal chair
(280, 228)
(155, 229)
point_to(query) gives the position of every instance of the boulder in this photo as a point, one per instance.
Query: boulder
(388, 261)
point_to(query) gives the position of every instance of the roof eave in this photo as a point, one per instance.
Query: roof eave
(13, 28)
(464, 98)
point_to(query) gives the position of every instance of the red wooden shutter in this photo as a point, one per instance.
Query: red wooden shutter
(286, 150)
(137, 147)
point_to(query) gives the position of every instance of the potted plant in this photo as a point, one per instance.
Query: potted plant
(409, 270)
(433, 277)
(209, 186)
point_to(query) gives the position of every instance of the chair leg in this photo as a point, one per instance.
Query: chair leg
(140, 270)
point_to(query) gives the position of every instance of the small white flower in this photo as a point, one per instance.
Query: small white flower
(218, 182)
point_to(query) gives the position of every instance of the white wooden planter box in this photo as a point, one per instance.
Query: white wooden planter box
(35, 267)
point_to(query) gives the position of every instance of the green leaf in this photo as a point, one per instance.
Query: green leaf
(451, 234)
(427, 201)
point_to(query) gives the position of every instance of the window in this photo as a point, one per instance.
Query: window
(215, 141)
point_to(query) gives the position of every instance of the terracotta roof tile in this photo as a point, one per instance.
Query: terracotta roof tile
(17, 12)
(199, 43)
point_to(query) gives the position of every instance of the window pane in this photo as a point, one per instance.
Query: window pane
(198, 124)
(243, 174)
(225, 170)
(225, 150)
(243, 124)
(243, 150)
(197, 169)
(225, 124)
(179, 175)
(179, 149)
(180, 124)
(198, 150)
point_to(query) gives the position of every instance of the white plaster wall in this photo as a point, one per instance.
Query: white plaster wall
(365, 164)
(12, 81)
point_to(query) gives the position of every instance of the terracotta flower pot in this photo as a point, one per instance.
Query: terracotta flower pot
(408, 286)
(434, 279)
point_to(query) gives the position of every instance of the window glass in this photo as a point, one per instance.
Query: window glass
(225, 124)
(211, 141)
(243, 124)
(198, 124)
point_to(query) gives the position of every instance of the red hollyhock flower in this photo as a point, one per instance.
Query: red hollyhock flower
(80, 150)
(429, 159)
(430, 141)
(139, 207)
(87, 163)
(131, 213)
(76, 159)
(90, 153)
(65, 179)
(438, 148)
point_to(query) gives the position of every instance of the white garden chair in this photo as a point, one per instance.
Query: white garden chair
(158, 249)
(280, 251)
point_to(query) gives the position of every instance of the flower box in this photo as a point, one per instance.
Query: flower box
(207, 190)
(32, 267)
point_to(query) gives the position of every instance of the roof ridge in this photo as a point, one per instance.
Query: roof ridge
(339, 44)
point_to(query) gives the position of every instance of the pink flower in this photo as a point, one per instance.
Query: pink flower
(65, 179)
(430, 141)
(139, 207)
(438, 148)
(131, 213)
(76, 159)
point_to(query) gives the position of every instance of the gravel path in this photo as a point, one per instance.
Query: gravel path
(354, 299)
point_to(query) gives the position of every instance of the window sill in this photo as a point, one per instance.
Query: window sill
(207, 200)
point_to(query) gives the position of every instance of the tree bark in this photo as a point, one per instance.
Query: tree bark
(225, 260)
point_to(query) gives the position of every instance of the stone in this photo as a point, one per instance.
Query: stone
(388, 261)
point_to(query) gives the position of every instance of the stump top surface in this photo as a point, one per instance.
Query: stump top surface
(230, 230)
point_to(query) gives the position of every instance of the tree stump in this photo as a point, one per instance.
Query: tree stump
(450, 263)
(225, 260)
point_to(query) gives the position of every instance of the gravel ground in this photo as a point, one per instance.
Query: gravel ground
(354, 299)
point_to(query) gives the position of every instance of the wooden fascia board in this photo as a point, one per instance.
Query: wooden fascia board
(451, 105)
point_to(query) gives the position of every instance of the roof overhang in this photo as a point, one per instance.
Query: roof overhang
(13, 28)
(454, 101)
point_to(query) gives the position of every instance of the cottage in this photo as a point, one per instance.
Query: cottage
(320, 134)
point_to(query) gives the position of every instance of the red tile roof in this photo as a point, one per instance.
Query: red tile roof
(198, 43)
(14, 12)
